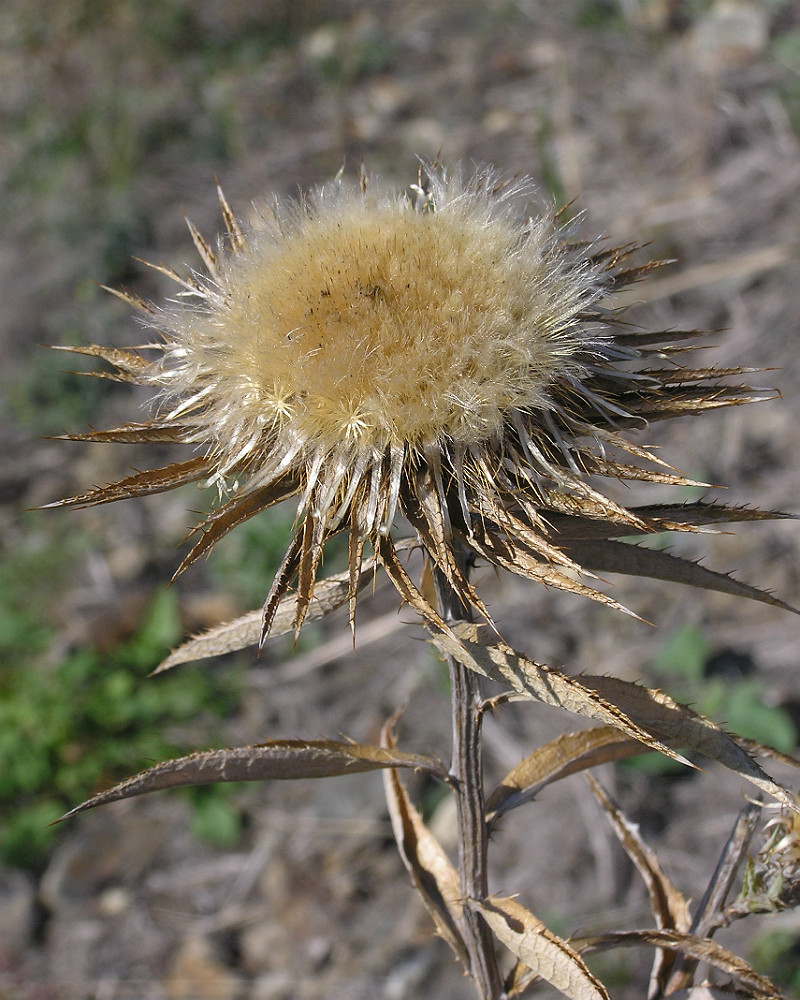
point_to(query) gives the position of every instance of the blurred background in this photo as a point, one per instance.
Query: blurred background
(668, 122)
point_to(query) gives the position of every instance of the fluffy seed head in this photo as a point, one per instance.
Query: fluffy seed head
(440, 351)
(368, 319)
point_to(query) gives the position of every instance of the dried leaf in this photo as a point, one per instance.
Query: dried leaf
(278, 760)
(226, 638)
(669, 907)
(329, 594)
(668, 338)
(531, 535)
(667, 903)
(191, 284)
(387, 555)
(430, 869)
(280, 585)
(659, 517)
(542, 683)
(617, 440)
(621, 279)
(522, 563)
(565, 511)
(565, 755)
(762, 750)
(203, 248)
(708, 915)
(235, 512)
(667, 719)
(142, 484)
(134, 433)
(580, 498)
(621, 470)
(115, 376)
(547, 955)
(234, 231)
(675, 376)
(684, 400)
(132, 299)
(313, 536)
(608, 556)
(355, 558)
(424, 513)
(699, 948)
(128, 362)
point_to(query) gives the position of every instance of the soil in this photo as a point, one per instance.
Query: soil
(668, 123)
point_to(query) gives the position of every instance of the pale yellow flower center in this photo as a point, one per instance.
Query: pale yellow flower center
(381, 324)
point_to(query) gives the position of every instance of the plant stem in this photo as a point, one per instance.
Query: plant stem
(466, 777)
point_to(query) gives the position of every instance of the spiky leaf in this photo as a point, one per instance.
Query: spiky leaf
(547, 955)
(541, 683)
(277, 760)
(142, 484)
(700, 948)
(667, 719)
(561, 757)
(430, 869)
(667, 903)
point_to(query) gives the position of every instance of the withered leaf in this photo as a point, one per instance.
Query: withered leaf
(622, 470)
(132, 299)
(191, 284)
(566, 512)
(235, 512)
(231, 224)
(569, 523)
(667, 719)
(608, 556)
(700, 948)
(226, 638)
(546, 954)
(762, 750)
(682, 400)
(430, 869)
(708, 916)
(424, 513)
(277, 760)
(312, 535)
(129, 362)
(142, 484)
(667, 903)
(405, 586)
(532, 535)
(355, 559)
(280, 584)
(669, 907)
(329, 594)
(522, 563)
(203, 248)
(542, 683)
(654, 338)
(133, 433)
(565, 755)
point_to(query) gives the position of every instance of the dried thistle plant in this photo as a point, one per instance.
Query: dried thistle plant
(442, 355)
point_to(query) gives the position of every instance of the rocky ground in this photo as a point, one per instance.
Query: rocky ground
(671, 123)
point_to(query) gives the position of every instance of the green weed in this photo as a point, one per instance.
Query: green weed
(69, 728)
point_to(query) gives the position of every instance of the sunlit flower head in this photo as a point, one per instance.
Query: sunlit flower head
(445, 352)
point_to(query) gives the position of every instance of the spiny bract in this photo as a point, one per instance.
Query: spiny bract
(439, 350)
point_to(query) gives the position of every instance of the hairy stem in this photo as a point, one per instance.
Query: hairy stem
(466, 777)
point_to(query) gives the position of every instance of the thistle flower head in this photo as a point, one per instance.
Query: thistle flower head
(438, 352)
(354, 321)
